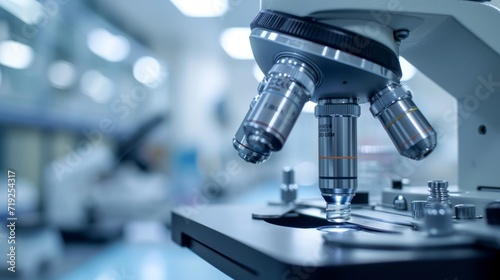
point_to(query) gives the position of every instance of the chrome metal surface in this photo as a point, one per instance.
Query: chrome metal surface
(288, 186)
(289, 85)
(438, 192)
(407, 127)
(438, 220)
(337, 155)
(340, 71)
(400, 203)
(465, 211)
(241, 145)
(417, 209)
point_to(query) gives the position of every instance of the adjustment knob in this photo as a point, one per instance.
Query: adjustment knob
(438, 220)
(417, 208)
(288, 187)
(399, 203)
(438, 192)
(465, 211)
(493, 213)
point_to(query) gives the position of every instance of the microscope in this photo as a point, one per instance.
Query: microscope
(340, 54)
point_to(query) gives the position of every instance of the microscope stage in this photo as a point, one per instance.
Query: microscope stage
(245, 248)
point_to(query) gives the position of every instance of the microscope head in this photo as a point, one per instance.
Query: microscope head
(306, 60)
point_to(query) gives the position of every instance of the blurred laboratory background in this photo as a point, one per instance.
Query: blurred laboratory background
(114, 112)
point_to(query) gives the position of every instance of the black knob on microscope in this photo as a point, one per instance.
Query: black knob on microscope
(493, 213)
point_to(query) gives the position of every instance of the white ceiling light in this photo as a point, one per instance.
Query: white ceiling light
(236, 43)
(148, 71)
(201, 8)
(15, 55)
(97, 86)
(111, 47)
(61, 74)
(408, 69)
(26, 10)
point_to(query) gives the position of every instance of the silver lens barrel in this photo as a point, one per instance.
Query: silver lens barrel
(290, 84)
(337, 119)
(240, 141)
(407, 127)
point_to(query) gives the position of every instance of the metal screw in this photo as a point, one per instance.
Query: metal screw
(288, 187)
(465, 211)
(401, 34)
(437, 213)
(417, 208)
(438, 192)
(400, 203)
(438, 220)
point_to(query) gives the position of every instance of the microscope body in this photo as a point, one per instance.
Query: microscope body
(343, 53)
(340, 54)
(454, 43)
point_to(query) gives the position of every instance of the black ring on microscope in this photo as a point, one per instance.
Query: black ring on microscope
(334, 37)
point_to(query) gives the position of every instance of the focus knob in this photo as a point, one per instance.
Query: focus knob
(438, 220)
(465, 211)
(418, 208)
(400, 203)
(288, 187)
(493, 213)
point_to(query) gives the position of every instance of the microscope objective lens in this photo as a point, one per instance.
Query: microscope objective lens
(407, 127)
(240, 142)
(287, 87)
(337, 119)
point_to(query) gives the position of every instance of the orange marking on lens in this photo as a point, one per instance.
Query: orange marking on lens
(400, 116)
(415, 136)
